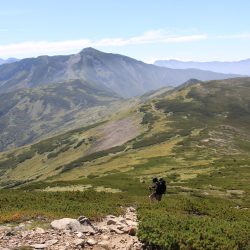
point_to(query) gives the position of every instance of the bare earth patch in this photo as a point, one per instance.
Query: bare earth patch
(116, 133)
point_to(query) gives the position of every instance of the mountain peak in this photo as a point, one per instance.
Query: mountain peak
(89, 50)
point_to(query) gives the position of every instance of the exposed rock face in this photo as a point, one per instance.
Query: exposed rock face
(66, 234)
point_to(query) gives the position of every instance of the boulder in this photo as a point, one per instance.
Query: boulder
(66, 224)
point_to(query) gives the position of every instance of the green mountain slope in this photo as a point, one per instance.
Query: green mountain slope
(29, 114)
(180, 134)
(196, 136)
(125, 76)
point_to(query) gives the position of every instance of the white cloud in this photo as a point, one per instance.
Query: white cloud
(35, 48)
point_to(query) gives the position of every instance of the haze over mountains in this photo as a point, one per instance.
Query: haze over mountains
(238, 67)
(125, 76)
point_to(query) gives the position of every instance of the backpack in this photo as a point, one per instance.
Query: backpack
(161, 187)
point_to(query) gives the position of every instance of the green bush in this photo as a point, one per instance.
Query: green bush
(154, 139)
(22, 205)
(194, 223)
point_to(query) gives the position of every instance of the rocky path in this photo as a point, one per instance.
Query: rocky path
(66, 234)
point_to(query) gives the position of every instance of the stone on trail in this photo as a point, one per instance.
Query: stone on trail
(104, 243)
(40, 230)
(111, 222)
(115, 229)
(91, 242)
(79, 242)
(39, 246)
(4, 229)
(105, 237)
(131, 209)
(80, 235)
(51, 242)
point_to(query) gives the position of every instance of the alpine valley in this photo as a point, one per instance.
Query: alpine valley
(85, 134)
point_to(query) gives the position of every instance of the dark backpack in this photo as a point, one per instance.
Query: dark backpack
(161, 187)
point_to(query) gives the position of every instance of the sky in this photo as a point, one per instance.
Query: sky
(148, 30)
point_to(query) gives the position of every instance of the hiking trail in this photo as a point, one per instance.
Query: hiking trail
(67, 234)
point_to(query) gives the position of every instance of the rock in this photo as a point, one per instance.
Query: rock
(131, 209)
(40, 230)
(87, 229)
(79, 242)
(104, 229)
(51, 242)
(115, 229)
(132, 231)
(66, 223)
(24, 234)
(111, 221)
(124, 228)
(4, 229)
(110, 216)
(39, 246)
(91, 242)
(72, 225)
(20, 227)
(10, 233)
(62, 248)
(84, 220)
(80, 235)
(105, 244)
(132, 223)
(105, 237)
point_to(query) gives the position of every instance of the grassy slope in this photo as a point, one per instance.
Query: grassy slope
(29, 115)
(196, 137)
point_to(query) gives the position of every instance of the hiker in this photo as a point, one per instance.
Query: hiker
(159, 188)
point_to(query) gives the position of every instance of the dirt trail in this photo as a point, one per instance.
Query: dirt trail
(70, 234)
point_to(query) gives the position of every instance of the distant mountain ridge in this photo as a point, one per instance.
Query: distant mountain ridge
(125, 76)
(238, 67)
(9, 60)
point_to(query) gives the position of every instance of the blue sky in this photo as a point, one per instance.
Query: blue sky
(143, 29)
